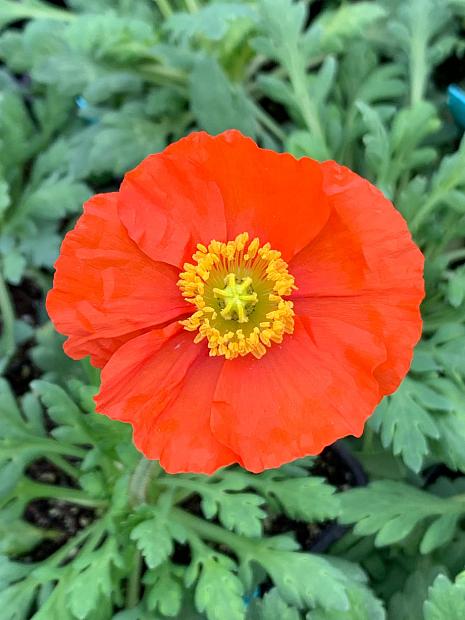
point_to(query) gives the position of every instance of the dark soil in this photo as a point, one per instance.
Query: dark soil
(340, 468)
(27, 301)
(64, 518)
(21, 371)
(450, 71)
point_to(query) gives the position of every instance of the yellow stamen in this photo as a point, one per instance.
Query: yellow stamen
(238, 288)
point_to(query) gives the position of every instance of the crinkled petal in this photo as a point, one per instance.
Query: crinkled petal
(270, 195)
(364, 269)
(314, 388)
(181, 437)
(168, 205)
(163, 384)
(105, 290)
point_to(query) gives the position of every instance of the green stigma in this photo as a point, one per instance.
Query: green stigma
(237, 299)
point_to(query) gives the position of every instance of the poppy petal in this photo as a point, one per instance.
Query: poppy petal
(301, 396)
(181, 437)
(168, 205)
(365, 270)
(270, 195)
(105, 289)
(163, 385)
(332, 265)
(144, 374)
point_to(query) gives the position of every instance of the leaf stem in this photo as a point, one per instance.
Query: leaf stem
(164, 8)
(63, 464)
(298, 77)
(133, 588)
(22, 10)
(212, 532)
(67, 548)
(191, 6)
(31, 490)
(163, 76)
(423, 212)
(193, 485)
(8, 320)
(42, 444)
(418, 64)
(435, 197)
(432, 322)
(454, 255)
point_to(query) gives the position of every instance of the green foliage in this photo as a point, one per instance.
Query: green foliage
(392, 510)
(86, 92)
(154, 538)
(300, 497)
(272, 606)
(219, 591)
(446, 600)
(230, 106)
(405, 422)
(131, 528)
(212, 21)
(408, 603)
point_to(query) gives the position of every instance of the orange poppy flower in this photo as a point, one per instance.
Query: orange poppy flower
(245, 306)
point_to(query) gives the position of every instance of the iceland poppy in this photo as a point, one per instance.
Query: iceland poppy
(244, 306)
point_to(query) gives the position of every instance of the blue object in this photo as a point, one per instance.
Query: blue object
(456, 103)
(249, 598)
(86, 111)
(81, 103)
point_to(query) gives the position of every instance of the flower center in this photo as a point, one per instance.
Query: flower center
(237, 299)
(237, 289)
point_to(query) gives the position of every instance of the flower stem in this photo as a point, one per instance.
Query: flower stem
(143, 474)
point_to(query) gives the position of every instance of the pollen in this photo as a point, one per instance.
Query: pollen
(238, 290)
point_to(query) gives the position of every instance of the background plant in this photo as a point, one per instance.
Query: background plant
(87, 90)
